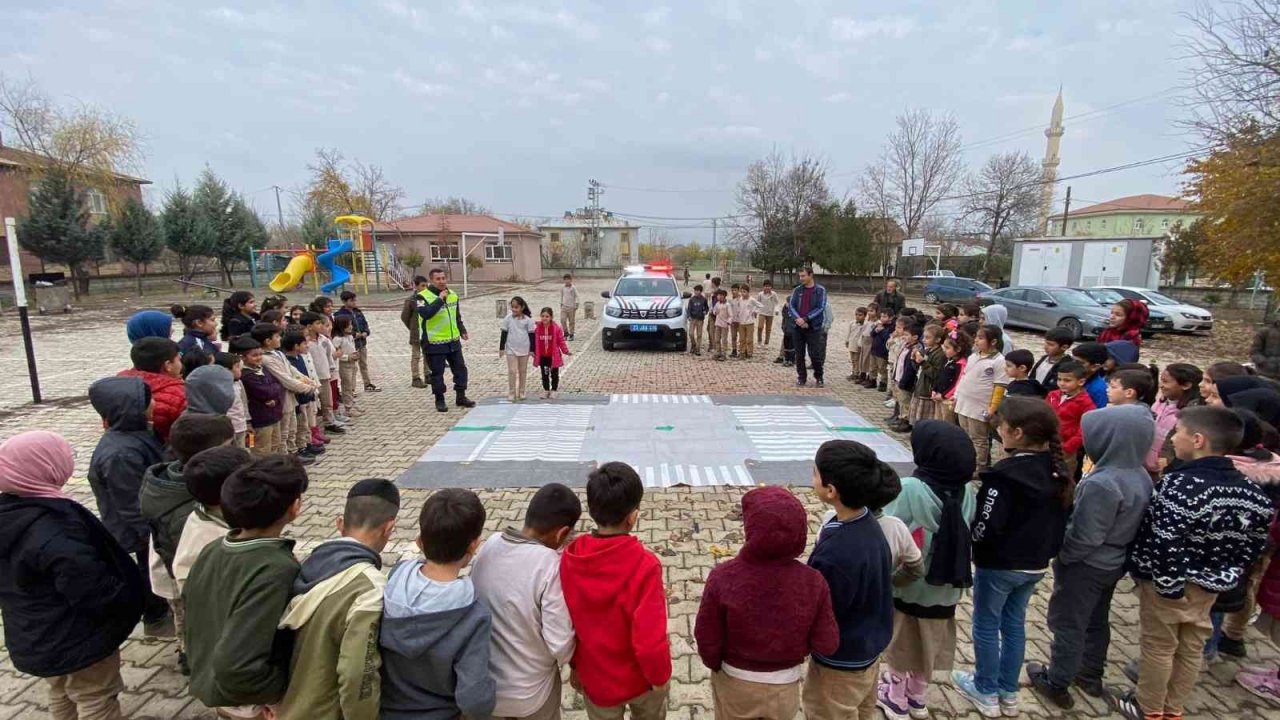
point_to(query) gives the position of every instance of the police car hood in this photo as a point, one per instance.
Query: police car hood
(646, 302)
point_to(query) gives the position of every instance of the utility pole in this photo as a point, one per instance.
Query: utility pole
(1066, 210)
(594, 191)
(20, 299)
(279, 210)
(713, 246)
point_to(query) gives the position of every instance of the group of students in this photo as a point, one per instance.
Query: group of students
(735, 320)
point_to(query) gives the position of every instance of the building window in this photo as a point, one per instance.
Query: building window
(1139, 225)
(1088, 224)
(445, 252)
(1104, 224)
(498, 253)
(555, 238)
(1164, 224)
(624, 244)
(96, 201)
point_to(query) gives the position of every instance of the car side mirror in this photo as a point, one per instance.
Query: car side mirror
(1050, 303)
(605, 294)
(686, 295)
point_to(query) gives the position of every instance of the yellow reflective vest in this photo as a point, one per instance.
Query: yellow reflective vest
(442, 327)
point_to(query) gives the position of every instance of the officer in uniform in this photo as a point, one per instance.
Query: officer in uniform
(442, 332)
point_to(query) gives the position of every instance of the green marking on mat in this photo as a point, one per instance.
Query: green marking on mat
(477, 428)
(665, 428)
(853, 428)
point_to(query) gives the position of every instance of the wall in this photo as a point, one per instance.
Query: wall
(1105, 225)
(526, 261)
(571, 238)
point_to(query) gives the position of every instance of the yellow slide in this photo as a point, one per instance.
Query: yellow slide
(293, 273)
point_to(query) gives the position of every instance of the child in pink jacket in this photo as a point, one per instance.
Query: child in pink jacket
(549, 351)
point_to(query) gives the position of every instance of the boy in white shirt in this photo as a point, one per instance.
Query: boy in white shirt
(517, 575)
(568, 307)
(748, 307)
(766, 306)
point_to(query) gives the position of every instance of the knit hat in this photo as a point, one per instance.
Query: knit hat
(148, 323)
(36, 464)
(376, 487)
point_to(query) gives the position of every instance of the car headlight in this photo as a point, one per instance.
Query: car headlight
(675, 312)
(1189, 316)
(612, 311)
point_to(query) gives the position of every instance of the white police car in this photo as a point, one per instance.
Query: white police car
(645, 306)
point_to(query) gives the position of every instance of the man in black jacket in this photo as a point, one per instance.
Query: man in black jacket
(889, 299)
(409, 316)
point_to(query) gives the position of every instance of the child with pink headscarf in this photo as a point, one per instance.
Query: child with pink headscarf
(69, 594)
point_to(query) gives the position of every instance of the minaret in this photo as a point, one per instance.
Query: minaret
(1049, 174)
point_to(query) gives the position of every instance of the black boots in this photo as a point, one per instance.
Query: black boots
(440, 404)
(462, 401)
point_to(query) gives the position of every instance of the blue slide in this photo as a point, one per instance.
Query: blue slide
(338, 275)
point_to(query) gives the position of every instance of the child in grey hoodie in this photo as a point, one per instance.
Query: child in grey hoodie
(1110, 503)
(435, 633)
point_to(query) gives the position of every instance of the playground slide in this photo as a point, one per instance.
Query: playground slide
(293, 273)
(338, 275)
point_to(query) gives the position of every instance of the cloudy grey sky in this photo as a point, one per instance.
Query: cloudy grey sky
(517, 103)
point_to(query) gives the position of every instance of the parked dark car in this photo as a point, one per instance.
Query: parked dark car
(953, 289)
(1041, 308)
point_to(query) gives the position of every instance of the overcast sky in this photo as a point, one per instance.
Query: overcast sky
(516, 104)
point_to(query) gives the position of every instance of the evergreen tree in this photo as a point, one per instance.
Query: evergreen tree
(136, 237)
(185, 232)
(56, 228)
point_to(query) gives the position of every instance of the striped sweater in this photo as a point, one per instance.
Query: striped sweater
(1206, 525)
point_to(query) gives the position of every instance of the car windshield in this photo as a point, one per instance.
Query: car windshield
(646, 287)
(1161, 298)
(981, 286)
(1104, 297)
(1072, 297)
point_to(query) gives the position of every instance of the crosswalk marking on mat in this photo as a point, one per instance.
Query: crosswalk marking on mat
(667, 475)
(541, 432)
(664, 399)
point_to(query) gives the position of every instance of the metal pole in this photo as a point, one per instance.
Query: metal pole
(20, 299)
(253, 270)
(279, 210)
(1066, 210)
(462, 245)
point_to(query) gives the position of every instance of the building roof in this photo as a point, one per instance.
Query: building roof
(1135, 204)
(584, 223)
(432, 223)
(13, 157)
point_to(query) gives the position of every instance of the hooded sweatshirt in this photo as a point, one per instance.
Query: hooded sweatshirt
(1123, 351)
(210, 389)
(69, 594)
(1205, 525)
(1111, 500)
(335, 612)
(265, 396)
(519, 580)
(165, 503)
(124, 453)
(1020, 521)
(435, 648)
(764, 611)
(998, 315)
(613, 587)
(1131, 329)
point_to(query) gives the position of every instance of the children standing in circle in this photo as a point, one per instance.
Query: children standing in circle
(549, 351)
(980, 389)
(1021, 520)
(516, 344)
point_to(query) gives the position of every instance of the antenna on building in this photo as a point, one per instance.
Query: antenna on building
(594, 191)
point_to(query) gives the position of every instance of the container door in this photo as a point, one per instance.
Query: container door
(1091, 268)
(1057, 264)
(1113, 263)
(1031, 269)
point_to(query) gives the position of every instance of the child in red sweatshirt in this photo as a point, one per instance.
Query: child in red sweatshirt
(763, 612)
(1070, 401)
(613, 588)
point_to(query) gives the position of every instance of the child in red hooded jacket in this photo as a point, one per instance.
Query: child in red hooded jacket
(1128, 317)
(763, 612)
(613, 588)
(157, 362)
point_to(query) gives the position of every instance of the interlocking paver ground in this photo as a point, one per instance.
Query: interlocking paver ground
(679, 524)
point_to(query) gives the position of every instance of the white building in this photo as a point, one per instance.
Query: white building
(567, 242)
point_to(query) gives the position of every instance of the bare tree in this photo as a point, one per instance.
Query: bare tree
(876, 200)
(454, 206)
(921, 164)
(339, 187)
(1003, 198)
(90, 145)
(1237, 79)
(776, 203)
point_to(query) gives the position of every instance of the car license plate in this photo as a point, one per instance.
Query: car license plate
(644, 328)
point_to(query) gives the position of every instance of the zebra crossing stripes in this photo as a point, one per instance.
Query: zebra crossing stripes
(667, 475)
(783, 433)
(666, 399)
(550, 433)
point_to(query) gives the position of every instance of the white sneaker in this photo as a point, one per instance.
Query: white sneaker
(889, 403)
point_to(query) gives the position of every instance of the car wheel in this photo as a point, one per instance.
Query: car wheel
(608, 346)
(931, 298)
(1072, 326)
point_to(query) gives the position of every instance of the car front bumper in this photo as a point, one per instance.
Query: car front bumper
(1182, 324)
(623, 332)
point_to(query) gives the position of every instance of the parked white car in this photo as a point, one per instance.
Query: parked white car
(1186, 318)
